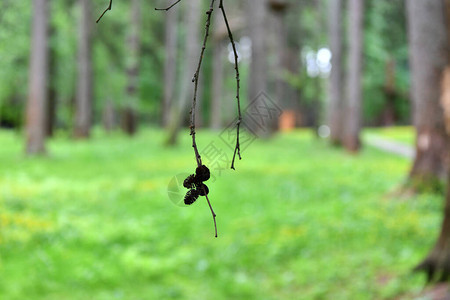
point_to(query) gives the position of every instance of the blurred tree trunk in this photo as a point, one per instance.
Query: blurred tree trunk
(129, 113)
(83, 103)
(256, 12)
(317, 103)
(52, 93)
(199, 106)
(217, 83)
(336, 103)
(389, 93)
(170, 63)
(354, 96)
(191, 55)
(428, 57)
(128, 120)
(285, 64)
(445, 99)
(109, 116)
(437, 263)
(256, 16)
(37, 97)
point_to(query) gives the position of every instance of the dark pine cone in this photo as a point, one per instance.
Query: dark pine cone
(191, 197)
(201, 188)
(189, 181)
(202, 173)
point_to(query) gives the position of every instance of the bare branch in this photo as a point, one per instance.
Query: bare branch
(167, 8)
(237, 149)
(194, 100)
(212, 212)
(104, 12)
(195, 81)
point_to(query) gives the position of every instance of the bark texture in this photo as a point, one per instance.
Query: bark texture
(83, 103)
(37, 97)
(335, 108)
(354, 95)
(428, 58)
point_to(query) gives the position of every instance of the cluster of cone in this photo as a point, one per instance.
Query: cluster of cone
(194, 183)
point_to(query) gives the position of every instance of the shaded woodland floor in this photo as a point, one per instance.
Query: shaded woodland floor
(297, 220)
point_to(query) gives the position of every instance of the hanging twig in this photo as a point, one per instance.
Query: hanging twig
(194, 100)
(212, 211)
(167, 8)
(195, 80)
(104, 12)
(237, 149)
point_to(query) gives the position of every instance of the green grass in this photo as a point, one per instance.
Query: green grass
(297, 220)
(401, 134)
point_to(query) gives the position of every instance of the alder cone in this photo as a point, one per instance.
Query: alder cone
(191, 197)
(202, 173)
(202, 189)
(189, 181)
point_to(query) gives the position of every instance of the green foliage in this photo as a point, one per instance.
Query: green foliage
(296, 220)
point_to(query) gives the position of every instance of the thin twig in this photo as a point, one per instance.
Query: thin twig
(194, 100)
(212, 211)
(167, 8)
(104, 12)
(237, 148)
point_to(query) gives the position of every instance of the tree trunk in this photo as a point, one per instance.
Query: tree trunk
(354, 96)
(257, 14)
(83, 103)
(217, 84)
(109, 116)
(336, 103)
(428, 57)
(258, 66)
(390, 93)
(51, 112)
(170, 63)
(199, 106)
(37, 98)
(445, 99)
(129, 123)
(437, 263)
(52, 93)
(191, 55)
(286, 63)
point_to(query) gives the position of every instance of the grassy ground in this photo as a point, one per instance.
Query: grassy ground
(297, 220)
(401, 134)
